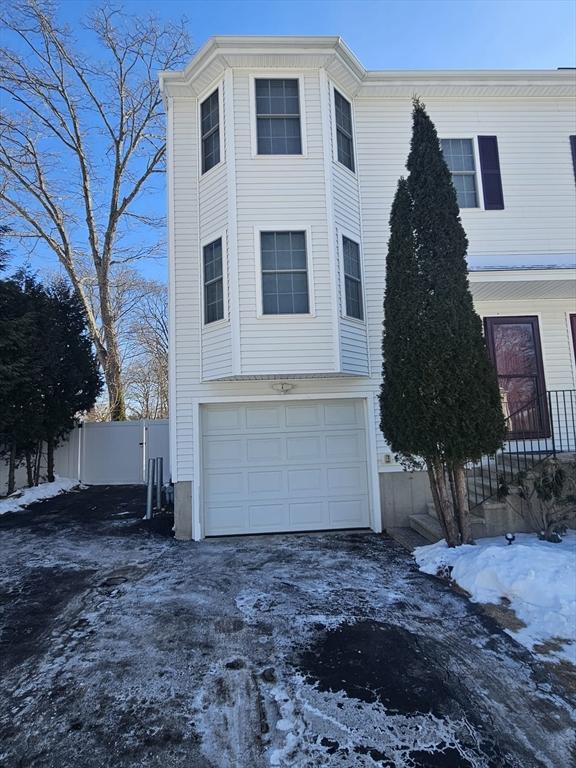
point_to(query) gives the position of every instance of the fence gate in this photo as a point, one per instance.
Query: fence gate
(115, 453)
(111, 453)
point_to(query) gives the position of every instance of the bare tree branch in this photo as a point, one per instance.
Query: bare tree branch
(81, 139)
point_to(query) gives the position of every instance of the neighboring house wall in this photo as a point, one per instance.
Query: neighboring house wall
(246, 193)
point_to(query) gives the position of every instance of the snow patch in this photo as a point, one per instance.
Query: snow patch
(22, 499)
(537, 577)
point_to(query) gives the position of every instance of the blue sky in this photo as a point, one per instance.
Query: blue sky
(384, 34)
(393, 34)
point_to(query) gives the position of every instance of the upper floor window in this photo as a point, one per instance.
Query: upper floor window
(352, 278)
(213, 282)
(210, 120)
(284, 273)
(459, 156)
(278, 117)
(344, 142)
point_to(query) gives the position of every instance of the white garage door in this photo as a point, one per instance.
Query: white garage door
(290, 466)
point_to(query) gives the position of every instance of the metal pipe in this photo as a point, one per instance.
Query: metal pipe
(159, 482)
(150, 488)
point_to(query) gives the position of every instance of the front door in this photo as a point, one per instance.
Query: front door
(514, 345)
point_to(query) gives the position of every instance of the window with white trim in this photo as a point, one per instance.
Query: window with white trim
(459, 156)
(210, 128)
(284, 273)
(344, 140)
(352, 278)
(278, 117)
(213, 282)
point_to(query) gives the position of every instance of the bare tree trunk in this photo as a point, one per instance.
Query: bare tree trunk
(444, 508)
(48, 186)
(38, 463)
(436, 500)
(29, 469)
(462, 506)
(50, 460)
(12, 470)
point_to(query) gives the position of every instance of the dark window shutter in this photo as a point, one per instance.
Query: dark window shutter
(573, 148)
(490, 169)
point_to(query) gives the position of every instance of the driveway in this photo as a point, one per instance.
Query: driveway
(122, 647)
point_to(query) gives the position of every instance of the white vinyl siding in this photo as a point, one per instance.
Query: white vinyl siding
(271, 192)
(276, 193)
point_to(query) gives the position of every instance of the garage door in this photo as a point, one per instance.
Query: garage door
(290, 466)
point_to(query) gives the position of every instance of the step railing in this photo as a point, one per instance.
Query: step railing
(541, 428)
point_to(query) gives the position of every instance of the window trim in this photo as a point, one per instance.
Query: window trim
(225, 319)
(218, 85)
(355, 237)
(284, 227)
(477, 167)
(276, 75)
(333, 90)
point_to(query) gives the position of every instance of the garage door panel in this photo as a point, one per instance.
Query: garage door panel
(304, 448)
(348, 512)
(225, 419)
(284, 466)
(268, 516)
(303, 415)
(309, 515)
(224, 484)
(225, 519)
(347, 480)
(346, 446)
(268, 449)
(341, 414)
(263, 418)
(266, 482)
(219, 453)
(308, 480)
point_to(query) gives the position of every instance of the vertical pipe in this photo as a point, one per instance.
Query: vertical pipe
(150, 488)
(159, 478)
(79, 468)
(552, 424)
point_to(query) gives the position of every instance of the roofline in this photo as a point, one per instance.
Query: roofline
(333, 45)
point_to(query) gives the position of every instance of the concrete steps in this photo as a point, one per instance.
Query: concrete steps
(427, 524)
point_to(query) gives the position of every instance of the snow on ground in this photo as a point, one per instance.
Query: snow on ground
(537, 577)
(21, 499)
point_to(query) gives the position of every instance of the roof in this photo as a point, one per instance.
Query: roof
(331, 53)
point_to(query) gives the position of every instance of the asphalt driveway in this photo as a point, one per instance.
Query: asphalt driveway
(121, 647)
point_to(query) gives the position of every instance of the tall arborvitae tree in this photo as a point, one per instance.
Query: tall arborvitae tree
(21, 404)
(401, 393)
(48, 369)
(457, 414)
(71, 381)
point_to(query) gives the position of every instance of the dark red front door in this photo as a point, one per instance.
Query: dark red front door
(514, 344)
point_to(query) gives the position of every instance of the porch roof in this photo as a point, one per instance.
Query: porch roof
(517, 284)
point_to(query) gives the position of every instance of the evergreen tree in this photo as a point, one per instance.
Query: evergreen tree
(454, 414)
(20, 374)
(71, 381)
(48, 369)
(400, 393)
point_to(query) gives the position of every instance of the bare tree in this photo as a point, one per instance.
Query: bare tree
(140, 310)
(81, 141)
(146, 370)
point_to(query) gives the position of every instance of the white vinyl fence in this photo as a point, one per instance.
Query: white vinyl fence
(105, 453)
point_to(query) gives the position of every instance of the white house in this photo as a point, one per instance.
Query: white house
(283, 158)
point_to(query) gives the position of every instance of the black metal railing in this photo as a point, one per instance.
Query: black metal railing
(543, 427)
